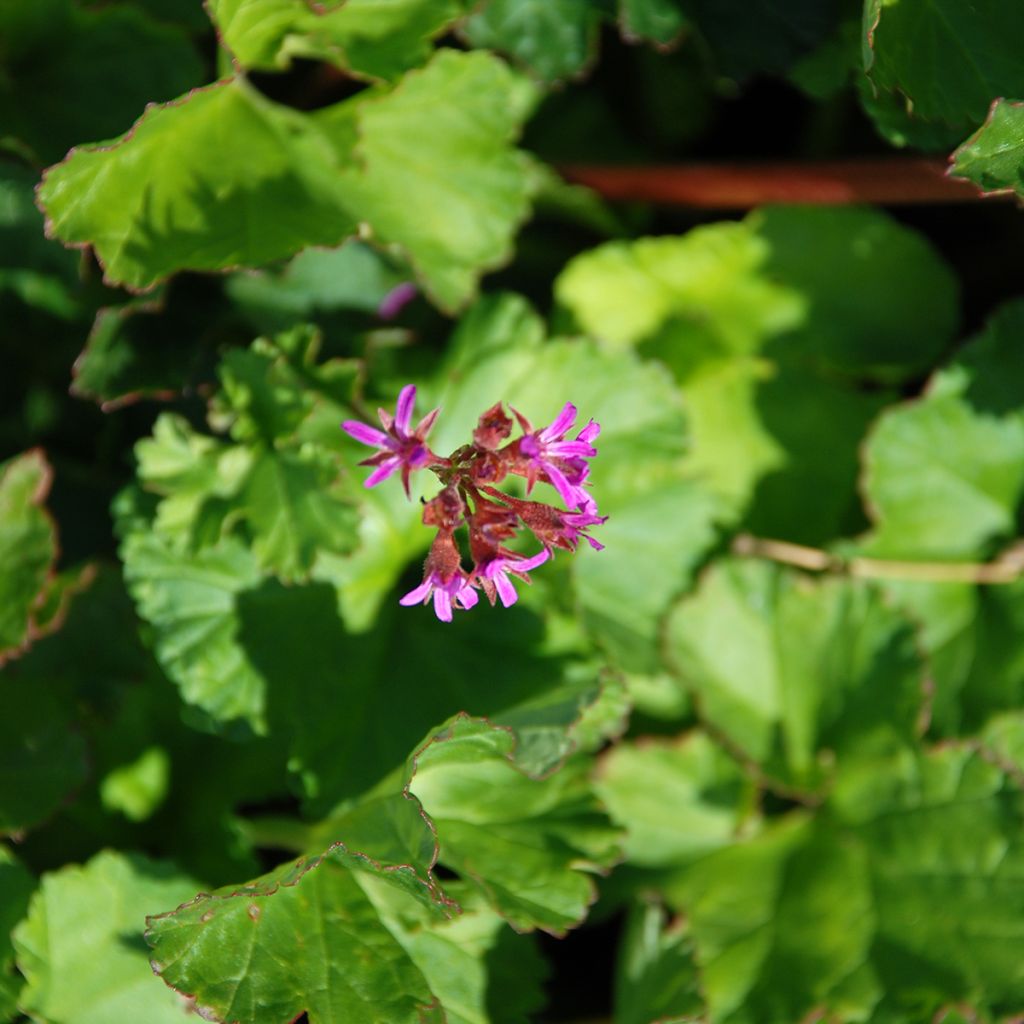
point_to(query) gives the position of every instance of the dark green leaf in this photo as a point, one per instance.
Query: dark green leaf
(16, 885)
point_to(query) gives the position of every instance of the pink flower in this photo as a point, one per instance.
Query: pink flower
(547, 453)
(494, 573)
(399, 448)
(444, 578)
(455, 591)
(396, 300)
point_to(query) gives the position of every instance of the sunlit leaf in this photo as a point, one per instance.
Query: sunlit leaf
(81, 948)
(993, 157)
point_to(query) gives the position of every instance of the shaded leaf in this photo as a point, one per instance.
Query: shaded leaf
(16, 885)
(81, 948)
(973, 45)
(554, 39)
(656, 977)
(28, 549)
(88, 73)
(797, 674)
(660, 21)
(944, 474)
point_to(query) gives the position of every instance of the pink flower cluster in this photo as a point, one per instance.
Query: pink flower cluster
(470, 498)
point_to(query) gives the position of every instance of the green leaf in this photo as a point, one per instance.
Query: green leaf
(191, 601)
(993, 157)
(677, 799)
(239, 155)
(81, 947)
(245, 953)
(28, 549)
(88, 74)
(372, 38)
(200, 211)
(16, 885)
(795, 674)
(656, 977)
(456, 215)
(880, 300)
(555, 39)
(973, 45)
(944, 474)
(527, 843)
(42, 755)
(138, 789)
(661, 21)
(295, 512)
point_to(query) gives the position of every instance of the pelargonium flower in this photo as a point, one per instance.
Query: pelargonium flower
(444, 578)
(494, 571)
(546, 452)
(400, 448)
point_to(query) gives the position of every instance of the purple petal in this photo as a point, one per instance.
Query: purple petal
(506, 591)
(571, 449)
(570, 494)
(396, 300)
(417, 595)
(525, 564)
(383, 471)
(589, 432)
(403, 410)
(442, 604)
(365, 434)
(529, 446)
(597, 546)
(563, 422)
(467, 597)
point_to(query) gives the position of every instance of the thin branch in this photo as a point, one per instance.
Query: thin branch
(889, 181)
(1007, 568)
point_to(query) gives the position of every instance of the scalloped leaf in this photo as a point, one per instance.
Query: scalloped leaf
(795, 674)
(373, 38)
(974, 45)
(944, 474)
(993, 157)
(527, 843)
(322, 175)
(677, 799)
(81, 949)
(28, 549)
(306, 937)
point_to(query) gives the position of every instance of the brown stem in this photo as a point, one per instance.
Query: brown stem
(886, 180)
(1007, 568)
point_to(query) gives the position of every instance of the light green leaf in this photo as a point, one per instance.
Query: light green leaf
(28, 549)
(944, 474)
(797, 674)
(656, 977)
(555, 39)
(305, 937)
(191, 601)
(993, 157)
(237, 155)
(527, 843)
(372, 38)
(973, 45)
(677, 799)
(16, 885)
(470, 190)
(81, 947)
(138, 789)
